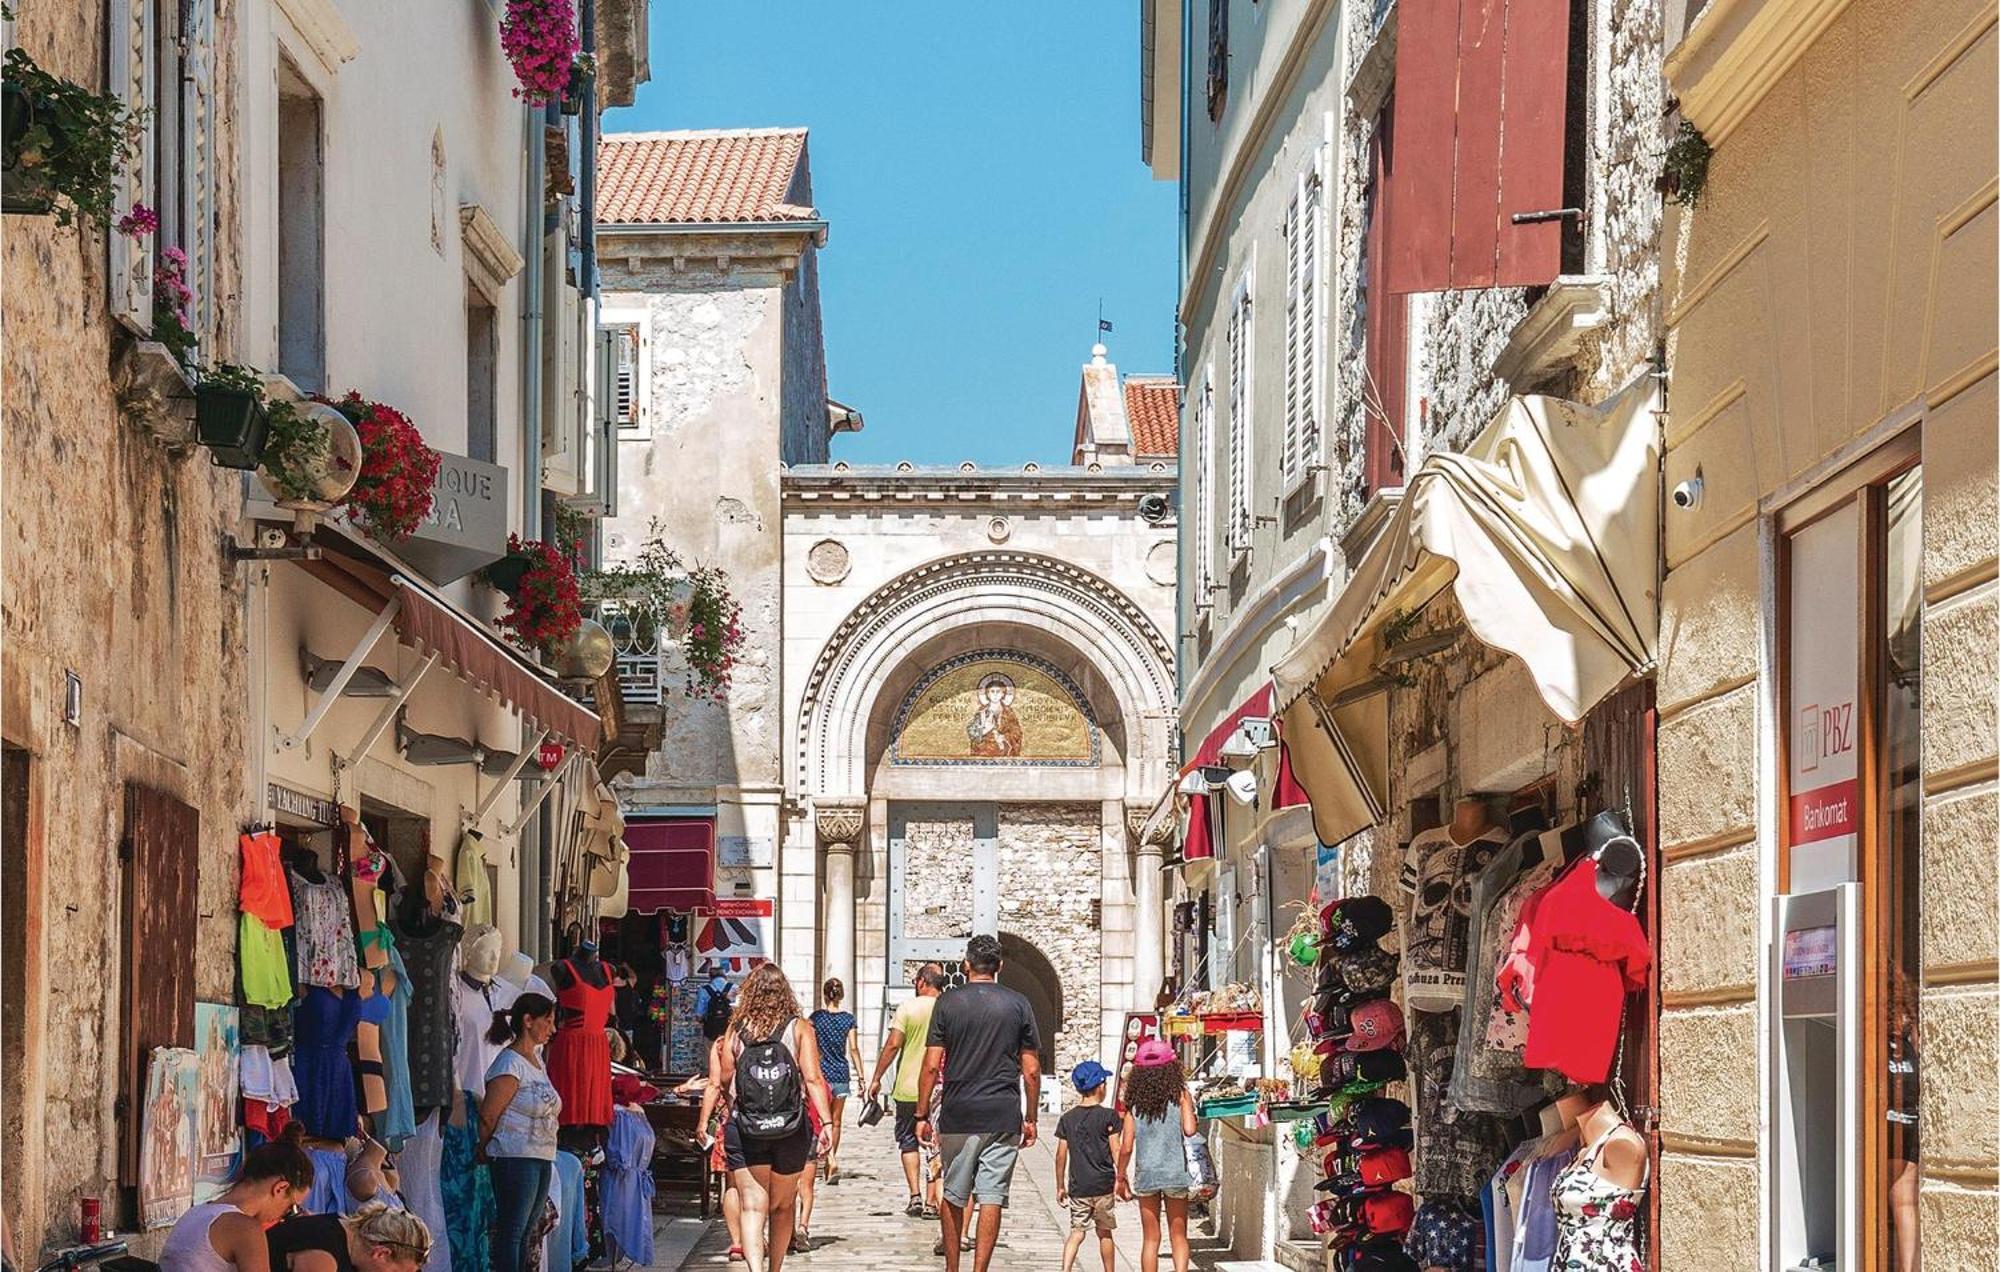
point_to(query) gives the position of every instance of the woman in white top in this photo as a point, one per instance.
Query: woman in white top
(228, 1233)
(518, 1121)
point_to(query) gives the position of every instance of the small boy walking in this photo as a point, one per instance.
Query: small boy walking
(1089, 1165)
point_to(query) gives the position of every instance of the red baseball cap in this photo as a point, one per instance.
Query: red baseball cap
(1386, 1212)
(1377, 1023)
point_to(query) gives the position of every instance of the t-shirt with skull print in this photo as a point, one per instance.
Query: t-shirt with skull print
(1438, 873)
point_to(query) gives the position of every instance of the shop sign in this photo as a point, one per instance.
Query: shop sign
(312, 808)
(467, 526)
(549, 755)
(1824, 817)
(737, 936)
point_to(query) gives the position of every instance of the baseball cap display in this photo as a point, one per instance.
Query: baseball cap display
(1153, 1053)
(1365, 1069)
(1375, 1024)
(1360, 922)
(1384, 1212)
(1365, 974)
(1373, 1120)
(1088, 1076)
(1376, 1254)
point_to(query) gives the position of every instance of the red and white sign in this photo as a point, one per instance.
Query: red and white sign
(1824, 820)
(737, 936)
(549, 755)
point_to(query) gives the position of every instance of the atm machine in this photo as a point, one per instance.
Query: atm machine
(1816, 1078)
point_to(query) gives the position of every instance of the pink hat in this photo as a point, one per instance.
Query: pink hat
(1377, 1023)
(1153, 1053)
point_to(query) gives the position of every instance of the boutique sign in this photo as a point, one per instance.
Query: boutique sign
(467, 526)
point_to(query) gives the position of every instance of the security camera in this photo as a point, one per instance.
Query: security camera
(1155, 508)
(1687, 495)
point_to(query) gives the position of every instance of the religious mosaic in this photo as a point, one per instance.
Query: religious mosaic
(995, 708)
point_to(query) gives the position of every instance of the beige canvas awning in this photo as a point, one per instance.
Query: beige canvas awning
(1545, 529)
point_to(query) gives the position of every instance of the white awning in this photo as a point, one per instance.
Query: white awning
(1546, 530)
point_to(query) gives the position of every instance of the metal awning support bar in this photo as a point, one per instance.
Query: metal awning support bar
(513, 771)
(362, 648)
(541, 793)
(389, 710)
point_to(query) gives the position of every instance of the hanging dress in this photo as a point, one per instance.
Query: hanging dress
(628, 1188)
(399, 1121)
(579, 1056)
(1597, 1221)
(325, 937)
(1586, 954)
(325, 1077)
(263, 891)
(427, 947)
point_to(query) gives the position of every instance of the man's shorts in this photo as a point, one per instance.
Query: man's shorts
(906, 1126)
(979, 1167)
(1086, 1213)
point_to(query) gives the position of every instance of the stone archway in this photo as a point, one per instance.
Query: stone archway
(1028, 972)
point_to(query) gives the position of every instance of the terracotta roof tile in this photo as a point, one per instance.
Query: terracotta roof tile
(735, 174)
(1153, 406)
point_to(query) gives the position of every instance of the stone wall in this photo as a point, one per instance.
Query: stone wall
(111, 545)
(802, 411)
(1050, 869)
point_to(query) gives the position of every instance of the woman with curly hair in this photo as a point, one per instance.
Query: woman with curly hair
(1159, 1116)
(768, 1062)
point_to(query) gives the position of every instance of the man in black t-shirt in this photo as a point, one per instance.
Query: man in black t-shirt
(988, 1031)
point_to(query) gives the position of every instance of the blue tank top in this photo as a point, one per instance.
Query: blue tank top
(1159, 1157)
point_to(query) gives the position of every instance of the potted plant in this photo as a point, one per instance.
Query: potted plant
(393, 493)
(545, 606)
(230, 417)
(714, 633)
(171, 298)
(539, 38)
(581, 72)
(61, 146)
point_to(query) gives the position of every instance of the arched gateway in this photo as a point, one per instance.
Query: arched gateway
(984, 700)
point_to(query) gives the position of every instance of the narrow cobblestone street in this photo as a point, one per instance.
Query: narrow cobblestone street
(859, 1222)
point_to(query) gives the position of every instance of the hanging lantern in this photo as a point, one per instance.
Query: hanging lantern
(586, 655)
(1305, 949)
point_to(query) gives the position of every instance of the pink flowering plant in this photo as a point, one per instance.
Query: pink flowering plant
(540, 39)
(139, 222)
(171, 298)
(714, 633)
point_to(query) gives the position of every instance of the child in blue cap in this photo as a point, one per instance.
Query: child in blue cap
(1088, 1165)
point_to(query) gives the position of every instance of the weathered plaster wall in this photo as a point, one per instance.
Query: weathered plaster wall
(1888, 308)
(112, 572)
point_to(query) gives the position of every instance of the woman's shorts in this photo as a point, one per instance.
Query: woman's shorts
(785, 1156)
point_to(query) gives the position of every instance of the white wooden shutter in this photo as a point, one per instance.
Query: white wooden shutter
(1239, 421)
(1204, 474)
(1288, 455)
(198, 165)
(1312, 281)
(131, 68)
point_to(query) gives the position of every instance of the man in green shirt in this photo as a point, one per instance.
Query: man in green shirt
(909, 1033)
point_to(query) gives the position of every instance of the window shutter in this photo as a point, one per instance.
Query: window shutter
(131, 69)
(1239, 423)
(1295, 234)
(1218, 57)
(1312, 277)
(160, 855)
(1481, 95)
(628, 376)
(1204, 474)
(199, 158)
(1384, 319)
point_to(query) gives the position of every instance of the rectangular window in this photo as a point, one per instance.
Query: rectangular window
(1218, 58)
(1304, 282)
(1385, 321)
(301, 234)
(627, 405)
(1851, 710)
(160, 898)
(1204, 475)
(1239, 420)
(481, 390)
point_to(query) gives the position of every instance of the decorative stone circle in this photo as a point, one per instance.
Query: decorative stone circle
(1163, 562)
(827, 562)
(998, 530)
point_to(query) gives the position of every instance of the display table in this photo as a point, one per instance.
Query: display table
(678, 1157)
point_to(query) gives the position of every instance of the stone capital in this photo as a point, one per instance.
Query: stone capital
(1151, 839)
(839, 825)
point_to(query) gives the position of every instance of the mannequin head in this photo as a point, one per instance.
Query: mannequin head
(480, 952)
(585, 950)
(516, 968)
(1469, 817)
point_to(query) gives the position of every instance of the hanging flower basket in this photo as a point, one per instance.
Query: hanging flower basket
(581, 72)
(61, 145)
(545, 605)
(505, 574)
(714, 633)
(229, 416)
(540, 39)
(392, 496)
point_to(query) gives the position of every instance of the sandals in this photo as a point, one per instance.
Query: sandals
(801, 1241)
(736, 1255)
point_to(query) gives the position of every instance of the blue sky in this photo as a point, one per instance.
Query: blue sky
(979, 168)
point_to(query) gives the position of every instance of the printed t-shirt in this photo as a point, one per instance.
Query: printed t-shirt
(983, 1027)
(913, 1021)
(1088, 1129)
(1437, 873)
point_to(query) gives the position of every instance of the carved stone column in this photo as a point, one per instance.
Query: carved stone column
(1149, 950)
(839, 829)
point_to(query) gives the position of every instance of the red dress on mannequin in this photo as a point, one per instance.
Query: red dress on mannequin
(579, 1056)
(1586, 954)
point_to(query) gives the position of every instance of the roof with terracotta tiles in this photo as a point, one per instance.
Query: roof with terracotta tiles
(702, 177)
(1153, 407)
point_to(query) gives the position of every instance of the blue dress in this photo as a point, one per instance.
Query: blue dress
(326, 1020)
(572, 1235)
(399, 1120)
(628, 1187)
(832, 1028)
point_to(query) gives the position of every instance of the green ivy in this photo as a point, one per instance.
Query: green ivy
(1685, 173)
(66, 140)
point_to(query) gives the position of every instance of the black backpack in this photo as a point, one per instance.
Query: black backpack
(715, 1016)
(770, 1090)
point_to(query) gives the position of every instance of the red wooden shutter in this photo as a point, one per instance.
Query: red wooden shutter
(1481, 92)
(160, 856)
(1385, 319)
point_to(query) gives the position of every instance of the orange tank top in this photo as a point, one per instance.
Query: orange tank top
(265, 893)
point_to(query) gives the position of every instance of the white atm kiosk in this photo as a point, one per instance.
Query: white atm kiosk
(1816, 1049)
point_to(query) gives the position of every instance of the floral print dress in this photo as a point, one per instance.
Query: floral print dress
(1597, 1221)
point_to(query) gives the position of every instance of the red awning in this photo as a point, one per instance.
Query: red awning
(1256, 706)
(430, 625)
(672, 866)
